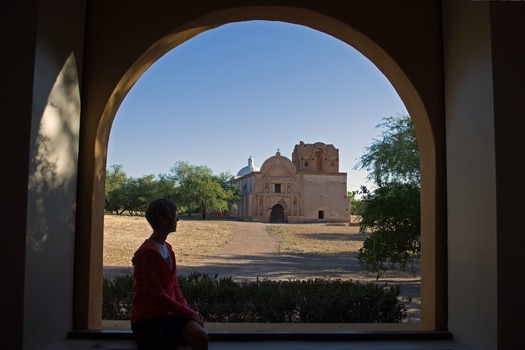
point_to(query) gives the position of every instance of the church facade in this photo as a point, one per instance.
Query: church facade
(308, 188)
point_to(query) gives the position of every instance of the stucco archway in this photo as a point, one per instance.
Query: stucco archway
(124, 64)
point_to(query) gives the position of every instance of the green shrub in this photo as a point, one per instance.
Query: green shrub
(317, 300)
(117, 297)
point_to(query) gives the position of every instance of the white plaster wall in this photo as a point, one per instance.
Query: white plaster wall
(50, 238)
(471, 192)
(246, 206)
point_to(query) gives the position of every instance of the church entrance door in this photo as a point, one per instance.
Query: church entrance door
(277, 214)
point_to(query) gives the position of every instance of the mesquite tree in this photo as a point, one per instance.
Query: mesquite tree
(391, 212)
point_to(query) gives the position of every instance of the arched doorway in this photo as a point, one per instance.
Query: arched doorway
(277, 214)
(111, 76)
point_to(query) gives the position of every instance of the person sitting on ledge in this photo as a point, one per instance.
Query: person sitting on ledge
(160, 315)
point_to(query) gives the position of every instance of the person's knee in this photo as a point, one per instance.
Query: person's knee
(202, 335)
(195, 335)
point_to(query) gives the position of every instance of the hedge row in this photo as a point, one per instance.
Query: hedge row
(310, 301)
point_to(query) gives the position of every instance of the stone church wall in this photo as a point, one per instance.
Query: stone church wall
(316, 157)
(325, 198)
(281, 192)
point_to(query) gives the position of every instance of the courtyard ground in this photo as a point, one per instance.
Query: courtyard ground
(251, 250)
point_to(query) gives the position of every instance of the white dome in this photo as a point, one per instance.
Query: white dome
(248, 169)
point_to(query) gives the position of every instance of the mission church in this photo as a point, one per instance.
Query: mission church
(308, 188)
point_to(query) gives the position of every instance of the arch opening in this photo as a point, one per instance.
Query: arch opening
(96, 159)
(277, 214)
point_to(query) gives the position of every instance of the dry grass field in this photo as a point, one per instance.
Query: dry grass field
(229, 247)
(317, 238)
(123, 234)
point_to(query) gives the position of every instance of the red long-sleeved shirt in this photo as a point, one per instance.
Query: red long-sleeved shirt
(156, 289)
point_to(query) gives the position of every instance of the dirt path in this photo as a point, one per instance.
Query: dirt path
(251, 253)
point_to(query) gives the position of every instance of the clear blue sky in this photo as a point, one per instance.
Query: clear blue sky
(248, 89)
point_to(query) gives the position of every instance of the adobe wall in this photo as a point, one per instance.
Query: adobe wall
(325, 193)
(472, 248)
(41, 108)
(316, 157)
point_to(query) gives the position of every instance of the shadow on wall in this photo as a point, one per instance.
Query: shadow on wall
(53, 166)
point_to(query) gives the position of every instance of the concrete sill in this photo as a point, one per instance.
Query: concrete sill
(243, 332)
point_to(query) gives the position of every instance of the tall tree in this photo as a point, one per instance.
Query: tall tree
(115, 196)
(123, 193)
(391, 213)
(356, 204)
(200, 188)
(139, 192)
(395, 156)
(392, 216)
(167, 187)
(233, 194)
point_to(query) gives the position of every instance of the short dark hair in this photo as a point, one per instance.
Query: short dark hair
(159, 208)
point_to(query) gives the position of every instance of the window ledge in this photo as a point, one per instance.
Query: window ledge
(286, 332)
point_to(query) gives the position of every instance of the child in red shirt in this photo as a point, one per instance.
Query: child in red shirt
(160, 316)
